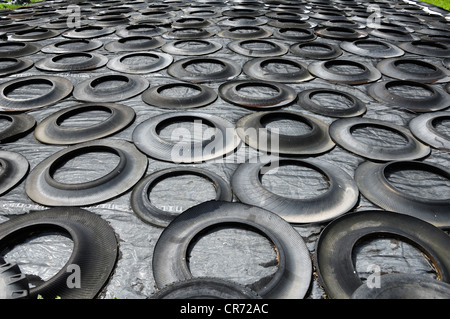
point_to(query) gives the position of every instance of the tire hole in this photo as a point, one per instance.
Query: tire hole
(232, 252)
(40, 256)
(420, 183)
(295, 181)
(191, 190)
(378, 136)
(85, 167)
(373, 255)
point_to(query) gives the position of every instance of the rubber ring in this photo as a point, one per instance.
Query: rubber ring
(13, 283)
(18, 65)
(242, 21)
(143, 207)
(393, 34)
(252, 131)
(15, 27)
(438, 99)
(202, 47)
(254, 68)
(286, 15)
(390, 50)
(142, 29)
(60, 23)
(162, 61)
(229, 91)
(291, 23)
(293, 277)
(211, 288)
(344, 23)
(154, 14)
(82, 46)
(341, 133)
(341, 33)
(153, 96)
(207, 12)
(374, 185)
(14, 167)
(301, 35)
(275, 48)
(86, 91)
(341, 196)
(390, 67)
(195, 22)
(95, 249)
(94, 61)
(50, 131)
(30, 35)
(129, 44)
(162, 22)
(447, 87)
(404, 286)
(233, 33)
(230, 70)
(21, 124)
(110, 20)
(25, 49)
(42, 188)
(88, 32)
(332, 51)
(427, 48)
(439, 38)
(188, 34)
(356, 108)
(61, 88)
(146, 138)
(21, 14)
(333, 257)
(327, 15)
(322, 69)
(242, 12)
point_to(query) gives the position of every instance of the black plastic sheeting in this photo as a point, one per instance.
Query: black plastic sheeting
(236, 254)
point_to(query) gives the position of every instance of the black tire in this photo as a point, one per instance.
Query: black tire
(390, 67)
(423, 127)
(333, 256)
(205, 288)
(41, 187)
(143, 207)
(61, 88)
(293, 278)
(146, 138)
(86, 90)
(252, 131)
(21, 125)
(13, 283)
(95, 249)
(341, 133)
(14, 168)
(404, 286)
(341, 196)
(49, 130)
(322, 69)
(373, 183)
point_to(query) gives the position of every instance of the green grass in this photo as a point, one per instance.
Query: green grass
(9, 6)
(15, 6)
(445, 4)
